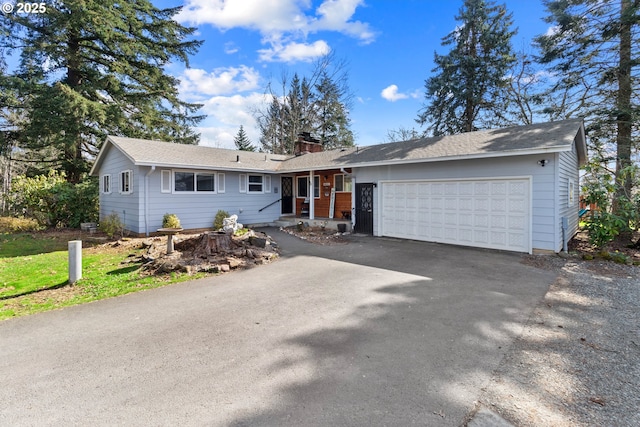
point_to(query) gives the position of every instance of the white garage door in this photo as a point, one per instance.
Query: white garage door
(483, 213)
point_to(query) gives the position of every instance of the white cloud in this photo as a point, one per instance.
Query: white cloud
(390, 93)
(225, 114)
(261, 15)
(220, 81)
(335, 15)
(230, 48)
(294, 52)
(281, 22)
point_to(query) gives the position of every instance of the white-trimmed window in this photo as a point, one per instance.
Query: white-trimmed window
(105, 183)
(256, 184)
(342, 183)
(243, 183)
(166, 181)
(221, 183)
(126, 184)
(194, 182)
(571, 188)
(303, 186)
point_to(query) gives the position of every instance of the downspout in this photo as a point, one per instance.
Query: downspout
(146, 200)
(312, 204)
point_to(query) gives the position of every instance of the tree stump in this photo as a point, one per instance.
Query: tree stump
(213, 242)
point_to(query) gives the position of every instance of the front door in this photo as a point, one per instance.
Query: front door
(364, 208)
(286, 183)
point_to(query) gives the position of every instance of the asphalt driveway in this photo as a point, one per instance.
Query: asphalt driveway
(376, 332)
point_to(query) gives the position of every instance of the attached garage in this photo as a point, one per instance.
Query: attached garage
(486, 213)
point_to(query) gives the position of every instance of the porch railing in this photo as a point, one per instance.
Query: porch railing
(270, 204)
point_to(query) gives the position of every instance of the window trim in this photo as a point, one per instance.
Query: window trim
(129, 174)
(105, 189)
(195, 181)
(316, 188)
(249, 183)
(343, 175)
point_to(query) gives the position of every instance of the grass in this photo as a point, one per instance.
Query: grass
(35, 270)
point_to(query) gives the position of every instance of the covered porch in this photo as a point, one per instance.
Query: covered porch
(318, 196)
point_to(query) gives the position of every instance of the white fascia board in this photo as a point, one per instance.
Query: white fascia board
(432, 159)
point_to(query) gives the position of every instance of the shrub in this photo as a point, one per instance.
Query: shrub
(218, 221)
(54, 202)
(170, 221)
(111, 225)
(14, 225)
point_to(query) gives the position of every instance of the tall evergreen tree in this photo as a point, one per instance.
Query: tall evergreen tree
(593, 50)
(333, 126)
(462, 95)
(90, 68)
(242, 141)
(318, 104)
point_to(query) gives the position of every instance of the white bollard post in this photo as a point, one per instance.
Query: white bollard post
(75, 261)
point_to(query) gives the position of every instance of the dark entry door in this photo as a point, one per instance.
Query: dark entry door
(364, 208)
(286, 183)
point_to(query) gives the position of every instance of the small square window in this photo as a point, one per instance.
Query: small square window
(342, 183)
(255, 184)
(183, 181)
(205, 182)
(303, 186)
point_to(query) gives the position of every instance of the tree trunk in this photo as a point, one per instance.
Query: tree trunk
(214, 242)
(623, 138)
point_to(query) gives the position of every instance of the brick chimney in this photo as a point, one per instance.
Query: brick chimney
(306, 144)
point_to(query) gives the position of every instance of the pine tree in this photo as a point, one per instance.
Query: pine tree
(242, 141)
(333, 126)
(318, 104)
(462, 95)
(91, 68)
(592, 49)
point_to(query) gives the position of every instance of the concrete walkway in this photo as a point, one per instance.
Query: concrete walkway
(376, 332)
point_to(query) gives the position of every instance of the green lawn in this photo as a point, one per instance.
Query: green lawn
(31, 282)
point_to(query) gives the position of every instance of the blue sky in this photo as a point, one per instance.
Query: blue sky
(389, 47)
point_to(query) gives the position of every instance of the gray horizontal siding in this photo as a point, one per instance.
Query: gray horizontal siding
(568, 170)
(125, 205)
(198, 210)
(544, 233)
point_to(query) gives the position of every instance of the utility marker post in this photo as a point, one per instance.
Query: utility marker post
(75, 261)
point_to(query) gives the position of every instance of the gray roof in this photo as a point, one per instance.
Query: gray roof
(520, 140)
(148, 153)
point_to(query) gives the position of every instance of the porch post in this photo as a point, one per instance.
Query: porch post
(312, 201)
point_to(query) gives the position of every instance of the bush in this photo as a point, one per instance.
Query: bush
(111, 225)
(15, 225)
(170, 221)
(54, 202)
(218, 221)
(603, 227)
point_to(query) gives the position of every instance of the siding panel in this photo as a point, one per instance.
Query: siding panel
(542, 198)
